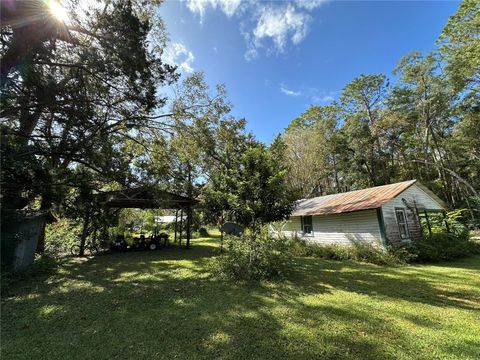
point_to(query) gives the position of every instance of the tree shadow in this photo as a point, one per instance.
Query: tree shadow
(166, 305)
(402, 283)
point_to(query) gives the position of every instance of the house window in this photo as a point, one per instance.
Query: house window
(402, 223)
(307, 227)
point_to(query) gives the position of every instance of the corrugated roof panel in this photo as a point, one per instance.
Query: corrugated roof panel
(371, 198)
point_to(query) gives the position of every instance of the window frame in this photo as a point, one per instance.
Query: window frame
(399, 224)
(302, 225)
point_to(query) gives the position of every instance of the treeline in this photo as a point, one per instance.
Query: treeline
(425, 125)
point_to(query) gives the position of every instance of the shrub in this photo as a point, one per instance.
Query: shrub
(444, 243)
(441, 245)
(60, 236)
(253, 257)
(357, 252)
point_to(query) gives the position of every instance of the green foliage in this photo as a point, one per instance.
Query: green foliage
(459, 44)
(61, 235)
(71, 106)
(312, 149)
(357, 252)
(261, 193)
(250, 189)
(19, 172)
(474, 220)
(253, 257)
(440, 246)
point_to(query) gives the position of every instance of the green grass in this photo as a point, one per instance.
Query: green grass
(165, 305)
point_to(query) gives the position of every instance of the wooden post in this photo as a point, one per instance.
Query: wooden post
(189, 225)
(181, 228)
(428, 222)
(175, 227)
(446, 222)
(189, 207)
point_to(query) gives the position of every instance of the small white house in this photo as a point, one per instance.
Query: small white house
(382, 215)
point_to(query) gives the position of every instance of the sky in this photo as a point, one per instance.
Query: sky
(278, 58)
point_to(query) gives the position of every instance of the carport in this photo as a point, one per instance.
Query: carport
(145, 198)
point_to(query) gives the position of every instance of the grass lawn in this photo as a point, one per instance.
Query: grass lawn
(165, 305)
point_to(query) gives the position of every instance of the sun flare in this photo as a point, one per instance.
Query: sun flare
(57, 10)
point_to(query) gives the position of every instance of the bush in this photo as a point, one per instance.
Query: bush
(60, 236)
(357, 252)
(441, 245)
(253, 257)
(444, 243)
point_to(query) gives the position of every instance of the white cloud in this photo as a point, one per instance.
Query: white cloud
(280, 23)
(310, 4)
(320, 96)
(314, 95)
(229, 7)
(177, 53)
(289, 92)
(323, 99)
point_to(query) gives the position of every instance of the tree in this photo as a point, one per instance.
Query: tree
(249, 186)
(313, 151)
(261, 193)
(425, 98)
(459, 44)
(219, 193)
(84, 88)
(362, 102)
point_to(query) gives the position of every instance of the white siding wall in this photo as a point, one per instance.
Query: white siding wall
(359, 226)
(422, 200)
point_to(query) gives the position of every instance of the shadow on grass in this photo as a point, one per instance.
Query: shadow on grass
(401, 283)
(165, 304)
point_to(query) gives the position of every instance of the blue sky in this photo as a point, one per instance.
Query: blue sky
(277, 58)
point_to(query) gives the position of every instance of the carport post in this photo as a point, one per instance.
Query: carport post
(189, 225)
(181, 228)
(175, 226)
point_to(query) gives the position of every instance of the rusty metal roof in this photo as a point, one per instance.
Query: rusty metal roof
(371, 198)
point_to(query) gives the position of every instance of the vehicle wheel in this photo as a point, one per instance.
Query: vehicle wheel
(152, 246)
(75, 250)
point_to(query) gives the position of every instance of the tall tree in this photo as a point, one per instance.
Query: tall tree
(314, 150)
(79, 88)
(362, 102)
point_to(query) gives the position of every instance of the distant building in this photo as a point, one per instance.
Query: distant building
(381, 215)
(168, 218)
